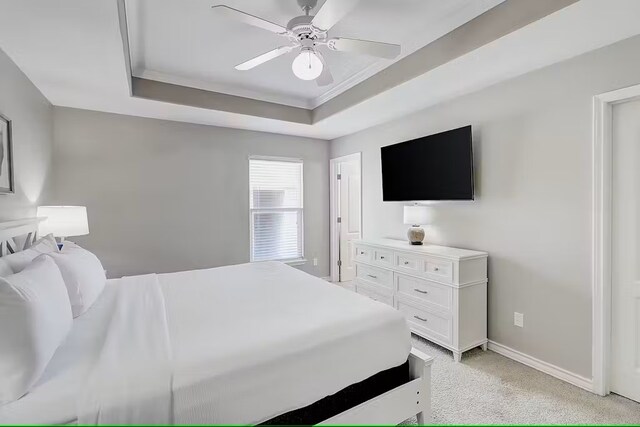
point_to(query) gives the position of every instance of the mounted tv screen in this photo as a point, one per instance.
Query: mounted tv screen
(435, 167)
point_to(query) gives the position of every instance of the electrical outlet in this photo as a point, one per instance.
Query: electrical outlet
(518, 319)
(315, 262)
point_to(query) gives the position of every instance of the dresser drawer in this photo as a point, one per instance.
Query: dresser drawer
(376, 296)
(438, 269)
(363, 253)
(409, 263)
(439, 296)
(383, 258)
(375, 275)
(435, 326)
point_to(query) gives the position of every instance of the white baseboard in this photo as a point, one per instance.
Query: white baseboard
(328, 278)
(547, 368)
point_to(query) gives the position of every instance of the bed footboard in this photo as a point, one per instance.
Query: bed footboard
(395, 406)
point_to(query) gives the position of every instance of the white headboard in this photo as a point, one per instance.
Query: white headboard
(24, 231)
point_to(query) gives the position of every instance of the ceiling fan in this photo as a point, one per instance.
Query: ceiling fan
(306, 33)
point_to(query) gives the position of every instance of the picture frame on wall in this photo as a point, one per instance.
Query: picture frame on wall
(6, 157)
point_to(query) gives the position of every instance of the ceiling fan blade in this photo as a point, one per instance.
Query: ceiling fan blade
(331, 12)
(382, 50)
(325, 78)
(246, 18)
(272, 54)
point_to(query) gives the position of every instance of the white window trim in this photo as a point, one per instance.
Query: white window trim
(294, 262)
(277, 159)
(289, 261)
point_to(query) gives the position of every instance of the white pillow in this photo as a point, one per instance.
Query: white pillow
(83, 276)
(18, 261)
(35, 318)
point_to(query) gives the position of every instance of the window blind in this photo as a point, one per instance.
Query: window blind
(276, 209)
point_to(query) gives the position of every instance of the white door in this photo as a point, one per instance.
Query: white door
(625, 262)
(349, 215)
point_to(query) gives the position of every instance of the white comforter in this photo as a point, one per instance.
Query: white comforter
(239, 344)
(130, 381)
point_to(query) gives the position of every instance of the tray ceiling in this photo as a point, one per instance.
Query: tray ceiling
(186, 43)
(76, 53)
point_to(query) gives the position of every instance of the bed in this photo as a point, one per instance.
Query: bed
(245, 344)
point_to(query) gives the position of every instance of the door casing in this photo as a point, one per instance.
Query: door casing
(602, 190)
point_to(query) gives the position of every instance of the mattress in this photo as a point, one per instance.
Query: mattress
(247, 343)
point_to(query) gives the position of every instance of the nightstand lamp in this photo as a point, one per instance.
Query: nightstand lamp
(415, 216)
(63, 221)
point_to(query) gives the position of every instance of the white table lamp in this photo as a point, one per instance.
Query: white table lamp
(415, 216)
(63, 221)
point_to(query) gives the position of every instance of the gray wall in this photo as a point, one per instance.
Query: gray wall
(532, 142)
(32, 125)
(166, 196)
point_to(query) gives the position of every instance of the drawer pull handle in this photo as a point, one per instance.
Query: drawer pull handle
(361, 253)
(381, 257)
(372, 276)
(421, 291)
(436, 269)
(420, 318)
(406, 263)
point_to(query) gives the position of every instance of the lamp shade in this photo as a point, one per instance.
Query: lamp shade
(415, 215)
(63, 221)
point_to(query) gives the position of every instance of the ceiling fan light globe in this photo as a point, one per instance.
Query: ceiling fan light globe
(307, 65)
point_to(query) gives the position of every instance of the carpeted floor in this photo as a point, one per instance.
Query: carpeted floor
(487, 388)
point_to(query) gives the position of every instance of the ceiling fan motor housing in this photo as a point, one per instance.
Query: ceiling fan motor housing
(302, 29)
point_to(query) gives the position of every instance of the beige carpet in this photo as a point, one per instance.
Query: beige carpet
(487, 388)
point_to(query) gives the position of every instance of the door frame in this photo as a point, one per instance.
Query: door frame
(334, 210)
(602, 169)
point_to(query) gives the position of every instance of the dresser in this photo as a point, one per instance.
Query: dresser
(442, 291)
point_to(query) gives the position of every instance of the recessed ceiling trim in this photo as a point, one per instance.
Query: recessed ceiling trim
(491, 25)
(213, 87)
(450, 14)
(199, 98)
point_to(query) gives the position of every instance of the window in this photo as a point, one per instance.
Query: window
(275, 203)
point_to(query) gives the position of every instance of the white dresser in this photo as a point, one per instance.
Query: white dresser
(442, 291)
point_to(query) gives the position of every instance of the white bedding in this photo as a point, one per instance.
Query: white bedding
(54, 399)
(130, 381)
(245, 343)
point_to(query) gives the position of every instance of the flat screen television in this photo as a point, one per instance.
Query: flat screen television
(434, 167)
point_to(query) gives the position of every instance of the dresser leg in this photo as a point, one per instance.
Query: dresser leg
(457, 356)
(484, 347)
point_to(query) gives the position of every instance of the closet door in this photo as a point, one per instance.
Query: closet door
(350, 216)
(625, 339)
